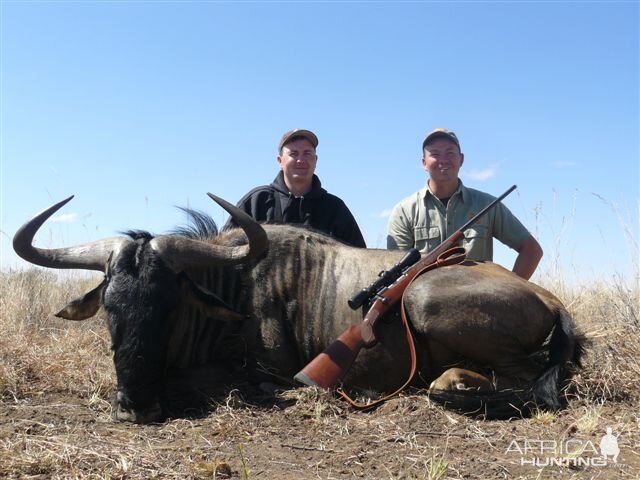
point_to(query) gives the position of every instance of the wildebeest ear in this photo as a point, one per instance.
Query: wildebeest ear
(210, 304)
(84, 307)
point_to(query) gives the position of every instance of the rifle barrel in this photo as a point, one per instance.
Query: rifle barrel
(488, 207)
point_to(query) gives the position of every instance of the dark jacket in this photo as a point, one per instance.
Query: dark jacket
(317, 209)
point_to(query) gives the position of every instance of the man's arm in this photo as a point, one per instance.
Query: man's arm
(529, 255)
(510, 231)
(341, 223)
(352, 234)
(400, 231)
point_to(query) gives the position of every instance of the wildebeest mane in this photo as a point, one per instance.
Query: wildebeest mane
(199, 225)
(137, 234)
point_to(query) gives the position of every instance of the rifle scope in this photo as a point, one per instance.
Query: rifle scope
(385, 278)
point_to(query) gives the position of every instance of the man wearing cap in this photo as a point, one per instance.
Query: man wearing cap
(296, 195)
(435, 212)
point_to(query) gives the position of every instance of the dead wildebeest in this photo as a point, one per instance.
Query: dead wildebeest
(276, 296)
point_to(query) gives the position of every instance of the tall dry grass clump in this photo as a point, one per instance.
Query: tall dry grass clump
(609, 316)
(40, 353)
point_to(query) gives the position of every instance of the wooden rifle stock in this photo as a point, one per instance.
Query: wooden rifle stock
(326, 369)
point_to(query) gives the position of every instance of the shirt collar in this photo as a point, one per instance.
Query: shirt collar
(461, 190)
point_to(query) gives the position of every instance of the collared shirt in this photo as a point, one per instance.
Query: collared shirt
(423, 221)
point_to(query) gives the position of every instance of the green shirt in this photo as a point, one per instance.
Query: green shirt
(422, 221)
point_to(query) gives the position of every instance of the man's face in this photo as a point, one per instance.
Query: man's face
(442, 159)
(298, 161)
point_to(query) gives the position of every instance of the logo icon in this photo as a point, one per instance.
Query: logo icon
(609, 445)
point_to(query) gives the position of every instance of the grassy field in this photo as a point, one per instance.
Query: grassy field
(56, 379)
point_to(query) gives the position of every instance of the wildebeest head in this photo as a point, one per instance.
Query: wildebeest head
(144, 283)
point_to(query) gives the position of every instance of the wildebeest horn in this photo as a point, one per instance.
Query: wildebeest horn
(182, 252)
(88, 256)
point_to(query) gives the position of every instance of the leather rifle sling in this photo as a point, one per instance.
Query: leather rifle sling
(452, 256)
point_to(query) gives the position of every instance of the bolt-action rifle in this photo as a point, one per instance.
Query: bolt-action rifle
(331, 365)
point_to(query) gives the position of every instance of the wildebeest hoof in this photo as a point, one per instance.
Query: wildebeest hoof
(148, 415)
(456, 379)
(122, 413)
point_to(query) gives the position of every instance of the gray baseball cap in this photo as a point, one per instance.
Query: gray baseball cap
(298, 132)
(441, 133)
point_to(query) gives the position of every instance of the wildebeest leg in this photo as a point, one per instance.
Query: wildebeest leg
(439, 358)
(455, 379)
(515, 371)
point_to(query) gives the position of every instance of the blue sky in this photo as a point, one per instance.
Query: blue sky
(136, 107)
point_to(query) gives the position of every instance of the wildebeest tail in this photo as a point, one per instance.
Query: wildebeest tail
(565, 347)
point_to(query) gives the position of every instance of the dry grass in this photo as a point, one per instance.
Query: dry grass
(56, 378)
(41, 354)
